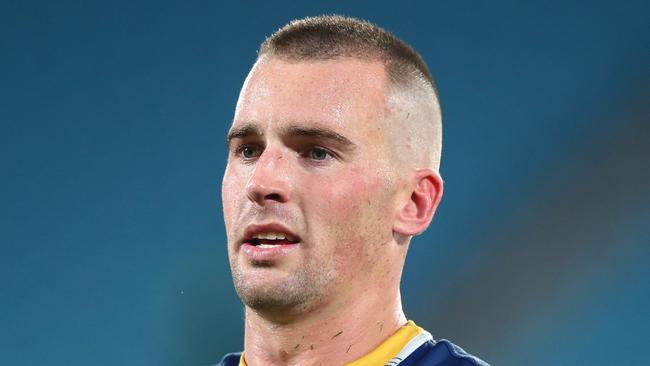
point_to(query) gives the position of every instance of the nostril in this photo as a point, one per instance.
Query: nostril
(272, 197)
(265, 185)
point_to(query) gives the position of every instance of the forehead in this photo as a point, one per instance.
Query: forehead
(345, 94)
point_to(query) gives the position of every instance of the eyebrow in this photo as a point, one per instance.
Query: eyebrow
(251, 129)
(244, 131)
(320, 132)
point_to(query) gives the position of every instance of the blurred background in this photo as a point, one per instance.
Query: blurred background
(113, 118)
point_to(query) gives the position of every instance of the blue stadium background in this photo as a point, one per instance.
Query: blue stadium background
(113, 117)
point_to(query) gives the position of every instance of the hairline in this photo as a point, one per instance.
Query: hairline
(412, 91)
(394, 77)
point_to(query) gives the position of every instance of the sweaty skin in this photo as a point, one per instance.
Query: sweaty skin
(309, 151)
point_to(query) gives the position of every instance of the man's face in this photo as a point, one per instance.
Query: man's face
(308, 193)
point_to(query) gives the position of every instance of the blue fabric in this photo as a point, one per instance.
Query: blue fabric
(440, 353)
(231, 359)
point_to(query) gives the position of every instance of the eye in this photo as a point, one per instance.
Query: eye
(248, 151)
(317, 153)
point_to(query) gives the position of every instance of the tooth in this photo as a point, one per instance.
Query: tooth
(267, 246)
(270, 236)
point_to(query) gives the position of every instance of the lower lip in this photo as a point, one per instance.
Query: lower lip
(257, 254)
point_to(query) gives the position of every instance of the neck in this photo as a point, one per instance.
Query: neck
(325, 336)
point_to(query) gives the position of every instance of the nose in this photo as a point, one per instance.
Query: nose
(269, 181)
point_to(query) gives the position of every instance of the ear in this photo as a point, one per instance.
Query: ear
(417, 211)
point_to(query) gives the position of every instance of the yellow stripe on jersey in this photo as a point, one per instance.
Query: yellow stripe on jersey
(391, 346)
(386, 351)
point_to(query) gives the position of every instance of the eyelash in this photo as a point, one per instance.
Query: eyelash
(239, 151)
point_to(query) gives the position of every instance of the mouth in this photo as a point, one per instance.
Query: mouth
(267, 245)
(270, 240)
(269, 236)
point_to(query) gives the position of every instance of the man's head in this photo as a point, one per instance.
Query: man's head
(334, 152)
(411, 92)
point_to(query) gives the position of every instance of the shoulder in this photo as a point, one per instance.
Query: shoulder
(439, 353)
(231, 359)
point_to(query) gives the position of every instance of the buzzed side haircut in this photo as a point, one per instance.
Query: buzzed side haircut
(330, 37)
(333, 37)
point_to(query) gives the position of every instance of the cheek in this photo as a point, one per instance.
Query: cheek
(344, 195)
(357, 191)
(232, 188)
(353, 209)
(226, 194)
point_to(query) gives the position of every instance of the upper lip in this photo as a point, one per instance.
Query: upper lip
(254, 229)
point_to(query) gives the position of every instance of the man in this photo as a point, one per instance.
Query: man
(333, 167)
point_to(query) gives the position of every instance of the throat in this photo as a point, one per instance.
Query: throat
(328, 341)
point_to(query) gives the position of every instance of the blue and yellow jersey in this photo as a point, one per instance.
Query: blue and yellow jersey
(409, 346)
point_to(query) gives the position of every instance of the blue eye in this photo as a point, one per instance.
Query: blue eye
(318, 154)
(248, 151)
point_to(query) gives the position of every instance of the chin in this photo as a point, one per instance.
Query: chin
(272, 298)
(262, 290)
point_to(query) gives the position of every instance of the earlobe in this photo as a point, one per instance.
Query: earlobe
(417, 211)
